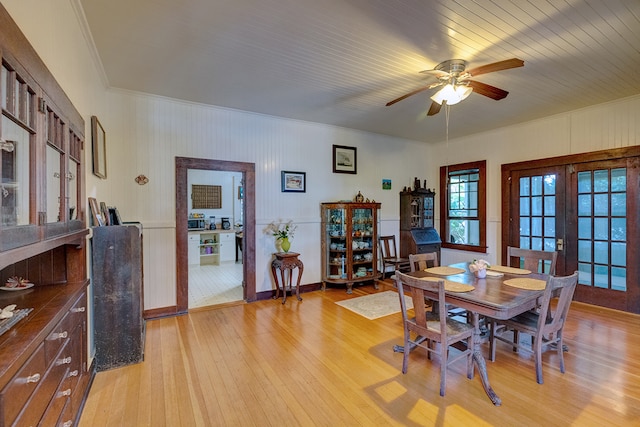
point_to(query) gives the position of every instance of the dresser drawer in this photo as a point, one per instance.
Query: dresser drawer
(23, 384)
(61, 333)
(46, 390)
(58, 403)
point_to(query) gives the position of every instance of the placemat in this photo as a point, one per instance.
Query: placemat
(450, 285)
(444, 270)
(509, 270)
(526, 283)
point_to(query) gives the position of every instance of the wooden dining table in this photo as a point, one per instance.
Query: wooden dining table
(492, 298)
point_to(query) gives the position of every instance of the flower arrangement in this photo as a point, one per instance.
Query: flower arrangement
(281, 230)
(478, 264)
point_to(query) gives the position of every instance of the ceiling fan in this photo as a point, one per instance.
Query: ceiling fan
(453, 75)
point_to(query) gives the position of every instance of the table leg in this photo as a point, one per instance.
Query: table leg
(274, 273)
(300, 269)
(284, 283)
(481, 364)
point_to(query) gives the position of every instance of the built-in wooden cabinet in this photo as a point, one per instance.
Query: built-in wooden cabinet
(44, 371)
(349, 243)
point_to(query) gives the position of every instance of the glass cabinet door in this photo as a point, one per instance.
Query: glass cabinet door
(14, 168)
(362, 242)
(336, 249)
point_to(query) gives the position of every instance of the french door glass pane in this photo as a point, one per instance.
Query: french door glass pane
(537, 212)
(602, 228)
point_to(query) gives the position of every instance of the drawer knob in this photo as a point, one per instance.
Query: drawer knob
(66, 392)
(64, 361)
(59, 335)
(33, 378)
(73, 373)
(67, 423)
(78, 310)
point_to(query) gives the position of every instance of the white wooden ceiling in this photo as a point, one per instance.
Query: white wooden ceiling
(340, 61)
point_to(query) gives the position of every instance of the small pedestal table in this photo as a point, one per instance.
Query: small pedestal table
(286, 261)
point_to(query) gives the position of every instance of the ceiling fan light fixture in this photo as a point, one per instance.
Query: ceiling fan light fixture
(452, 94)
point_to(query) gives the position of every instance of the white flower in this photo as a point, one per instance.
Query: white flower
(478, 264)
(281, 230)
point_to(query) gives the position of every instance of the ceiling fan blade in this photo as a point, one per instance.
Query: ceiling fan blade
(405, 96)
(496, 66)
(488, 90)
(434, 109)
(436, 73)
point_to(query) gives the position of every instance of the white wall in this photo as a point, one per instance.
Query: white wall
(145, 133)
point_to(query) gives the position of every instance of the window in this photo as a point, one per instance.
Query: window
(463, 206)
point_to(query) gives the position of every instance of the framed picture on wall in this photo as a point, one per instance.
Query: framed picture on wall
(345, 159)
(99, 145)
(295, 182)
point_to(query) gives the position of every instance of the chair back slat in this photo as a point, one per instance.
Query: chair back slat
(388, 247)
(420, 262)
(534, 260)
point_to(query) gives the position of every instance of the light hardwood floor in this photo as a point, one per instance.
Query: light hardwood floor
(314, 363)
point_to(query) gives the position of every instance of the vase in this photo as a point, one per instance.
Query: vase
(481, 274)
(285, 244)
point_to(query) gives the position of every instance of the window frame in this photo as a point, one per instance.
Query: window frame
(445, 173)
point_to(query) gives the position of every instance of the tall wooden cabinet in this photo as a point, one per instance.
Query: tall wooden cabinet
(44, 371)
(117, 295)
(349, 244)
(417, 234)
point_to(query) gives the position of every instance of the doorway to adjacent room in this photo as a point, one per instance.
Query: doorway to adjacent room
(246, 264)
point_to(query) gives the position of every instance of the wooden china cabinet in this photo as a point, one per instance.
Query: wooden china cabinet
(44, 372)
(349, 243)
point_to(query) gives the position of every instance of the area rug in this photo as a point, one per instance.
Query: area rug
(374, 306)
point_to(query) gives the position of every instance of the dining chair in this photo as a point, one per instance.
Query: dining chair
(418, 262)
(389, 255)
(533, 260)
(429, 328)
(545, 326)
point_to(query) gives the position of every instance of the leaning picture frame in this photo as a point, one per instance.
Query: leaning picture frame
(294, 182)
(345, 159)
(96, 214)
(99, 145)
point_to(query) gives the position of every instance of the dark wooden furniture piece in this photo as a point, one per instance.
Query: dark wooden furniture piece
(390, 257)
(532, 260)
(239, 238)
(286, 262)
(432, 327)
(490, 298)
(417, 234)
(545, 326)
(117, 295)
(349, 244)
(44, 371)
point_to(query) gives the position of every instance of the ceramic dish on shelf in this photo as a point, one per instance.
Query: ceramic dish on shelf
(17, 288)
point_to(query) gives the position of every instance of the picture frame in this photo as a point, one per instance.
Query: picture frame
(386, 184)
(345, 159)
(294, 182)
(114, 216)
(99, 145)
(105, 213)
(96, 214)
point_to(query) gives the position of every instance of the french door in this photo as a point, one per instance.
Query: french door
(587, 208)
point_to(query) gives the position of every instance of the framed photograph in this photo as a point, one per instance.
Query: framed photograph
(99, 143)
(295, 182)
(96, 214)
(345, 159)
(386, 184)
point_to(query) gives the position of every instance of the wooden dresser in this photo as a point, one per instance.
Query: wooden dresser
(43, 364)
